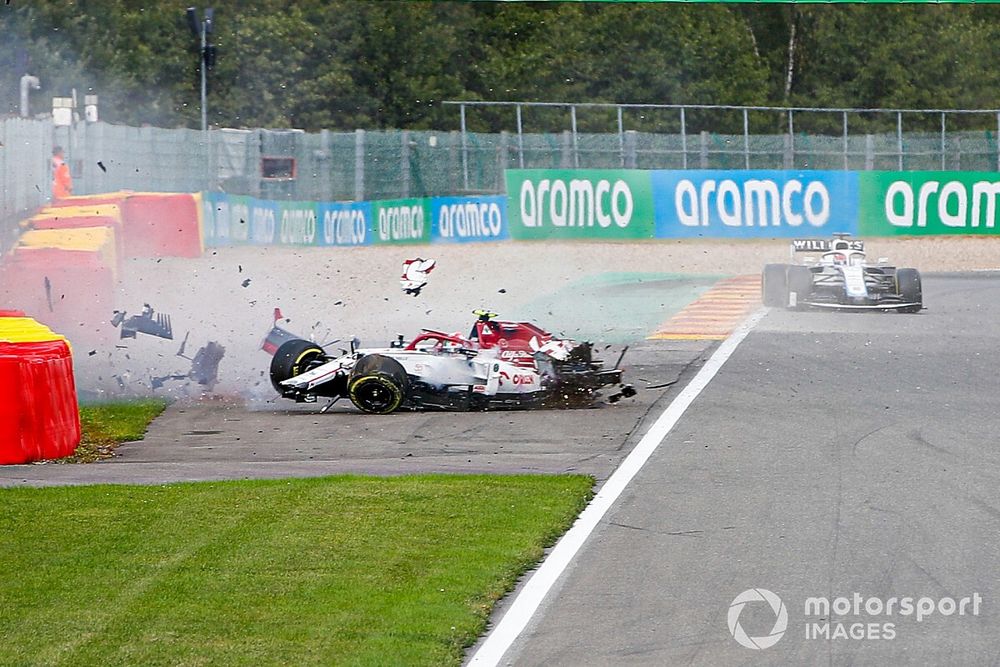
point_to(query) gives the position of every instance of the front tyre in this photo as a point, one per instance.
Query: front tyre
(800, 283)
(910, 290)
(774, 285)
(293, 358)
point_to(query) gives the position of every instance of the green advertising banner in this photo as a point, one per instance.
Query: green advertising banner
(918, 203)
(402, 221)
(592, 204)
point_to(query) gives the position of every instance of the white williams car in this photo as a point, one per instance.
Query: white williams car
(836, 274)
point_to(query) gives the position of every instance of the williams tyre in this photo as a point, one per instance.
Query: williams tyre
(909, 289)
(774, 285)
(800, 283)
(378, 384)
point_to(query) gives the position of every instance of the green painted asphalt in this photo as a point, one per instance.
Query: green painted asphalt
(615, 308)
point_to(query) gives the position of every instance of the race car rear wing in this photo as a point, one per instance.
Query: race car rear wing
(823, 245)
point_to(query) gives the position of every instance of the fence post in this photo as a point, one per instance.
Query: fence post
(576, 140)
(791, 141)
(465, 150)
(746, 139)
(869, 152)
(703, 154)
(942, 143)
(503, 157)
(899, 137)
(520, 139)
(621, 138)
(846, 161)
(787, 160)
(566, 158)
(631, 160)
(404, 164)
(684, 141)
(359, 165)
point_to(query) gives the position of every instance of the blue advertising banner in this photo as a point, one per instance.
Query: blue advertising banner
(754, 204)
(467, 219)
(345, 223)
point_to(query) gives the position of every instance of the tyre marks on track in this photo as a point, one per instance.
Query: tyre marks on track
(716, 313)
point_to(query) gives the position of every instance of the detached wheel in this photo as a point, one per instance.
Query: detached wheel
(378, 384)
(293, 358)
(800, 283)
(774, 285)
(909, 289)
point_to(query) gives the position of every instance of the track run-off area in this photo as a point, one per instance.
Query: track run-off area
(828, 455)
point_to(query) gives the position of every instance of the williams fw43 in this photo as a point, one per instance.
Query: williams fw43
(837, 275)
(499, 365)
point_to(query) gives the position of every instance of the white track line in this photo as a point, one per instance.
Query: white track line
(500, 639)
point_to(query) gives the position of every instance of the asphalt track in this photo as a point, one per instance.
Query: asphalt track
(833, 454)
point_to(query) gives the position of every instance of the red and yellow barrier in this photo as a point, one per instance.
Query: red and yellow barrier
(39, 415)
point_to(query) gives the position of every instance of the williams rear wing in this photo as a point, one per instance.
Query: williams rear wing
(819, 246)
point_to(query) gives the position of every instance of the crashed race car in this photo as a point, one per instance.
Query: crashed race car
(499, 365)
(840, 278)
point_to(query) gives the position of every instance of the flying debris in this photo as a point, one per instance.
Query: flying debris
(204, 366)
(276, 336)
(415, 273)
(146, 322)
(48, 292)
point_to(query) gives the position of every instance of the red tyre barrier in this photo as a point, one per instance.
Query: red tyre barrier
(39, 415)
(162, 225)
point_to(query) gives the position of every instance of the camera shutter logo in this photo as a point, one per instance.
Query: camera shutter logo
(780, 621)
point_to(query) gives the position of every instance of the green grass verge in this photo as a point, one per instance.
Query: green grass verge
(338, 570)
(106, 425)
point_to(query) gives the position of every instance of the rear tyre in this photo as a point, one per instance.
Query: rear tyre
(293, 358)
(378, 384)
(774, 285)
(909, 289)
(799, 283)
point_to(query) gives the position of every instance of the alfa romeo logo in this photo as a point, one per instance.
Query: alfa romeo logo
(780, 620)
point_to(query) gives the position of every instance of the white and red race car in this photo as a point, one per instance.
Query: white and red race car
(499, 365)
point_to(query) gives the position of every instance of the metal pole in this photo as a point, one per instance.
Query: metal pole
(899, 137)
(520, 139)
(684, 139)
(791, 138)
(942, 142)
(576, 146)
(746, 139)
(204, 109)
(465, 149)
(621, 137)
(846, 162)
(998, 142)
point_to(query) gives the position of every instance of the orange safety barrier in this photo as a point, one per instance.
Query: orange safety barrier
(70, 290)
(90, 200)
(39, 416)
(162, 225)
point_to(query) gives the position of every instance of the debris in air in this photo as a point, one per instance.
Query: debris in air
(147, 322)
(415, 273)
(246, 283)
(276, 336)
(101, 165)
(204, 366)
(48, 292)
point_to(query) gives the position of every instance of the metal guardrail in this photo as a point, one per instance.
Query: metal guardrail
(747, 151)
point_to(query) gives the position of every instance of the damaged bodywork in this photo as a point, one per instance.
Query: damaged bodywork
(498, 365)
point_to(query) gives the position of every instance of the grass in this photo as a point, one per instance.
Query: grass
(106, 425)
(337, 570)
